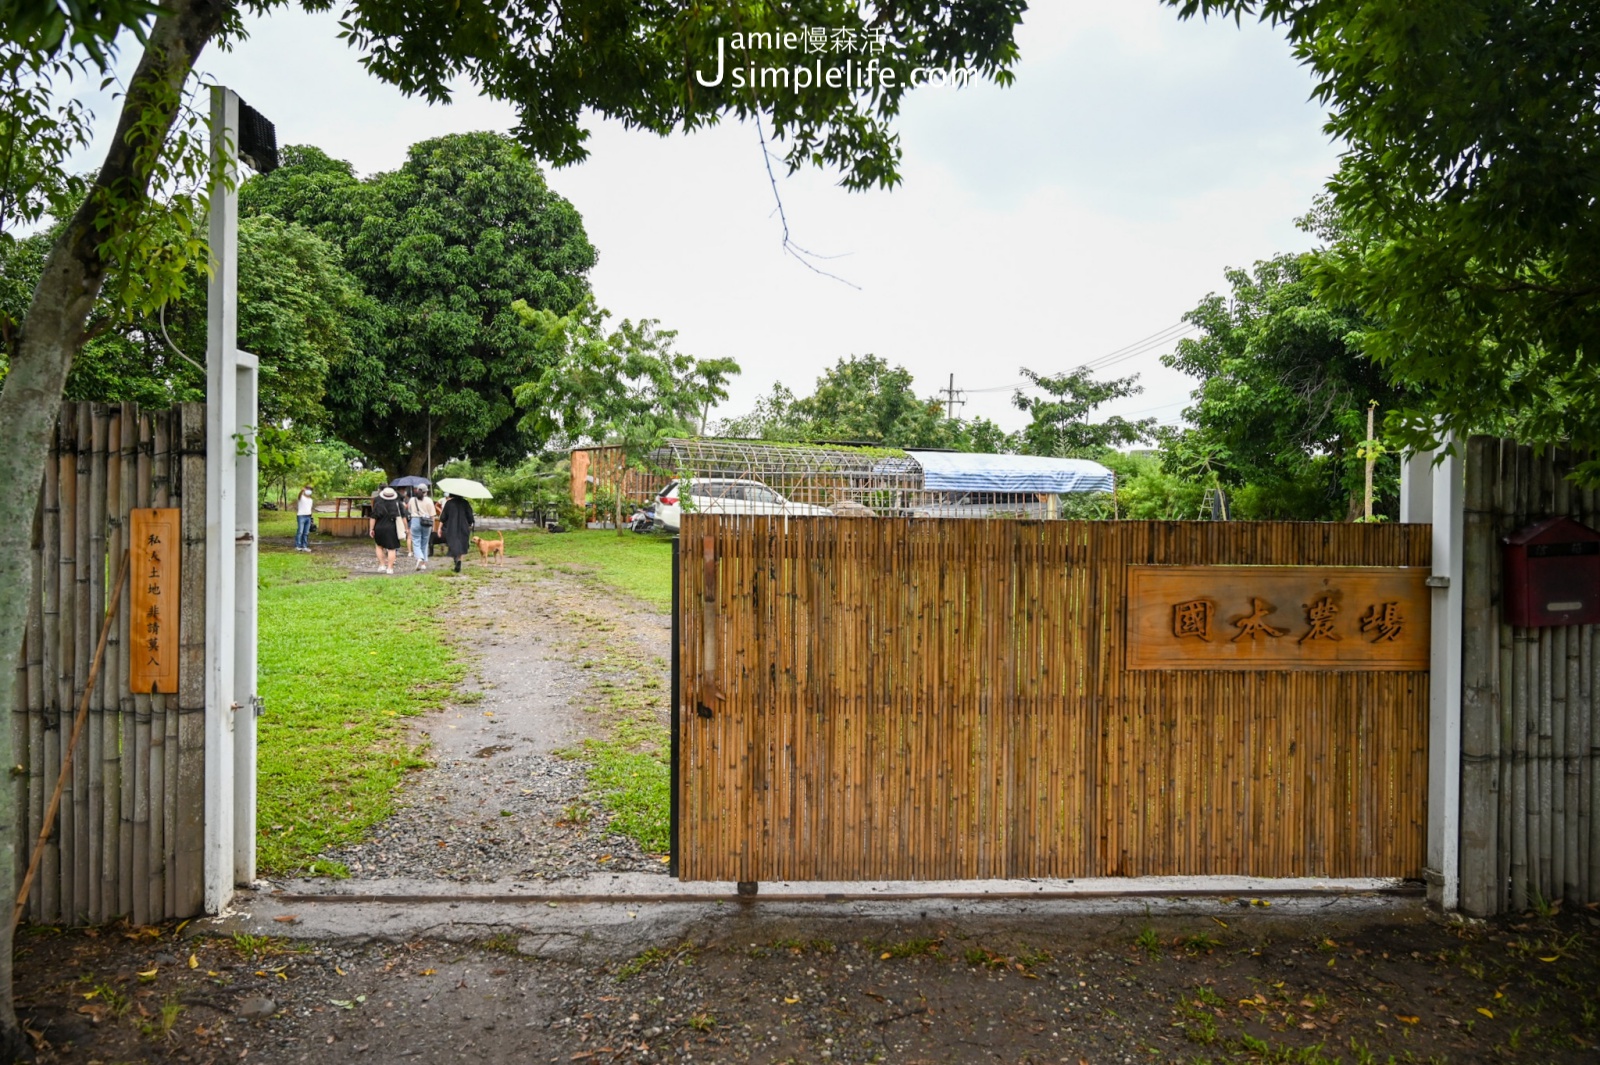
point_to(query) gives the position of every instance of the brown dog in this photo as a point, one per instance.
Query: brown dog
(495, 549)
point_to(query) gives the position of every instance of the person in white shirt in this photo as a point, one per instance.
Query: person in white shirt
(302, 532)
(420, 507)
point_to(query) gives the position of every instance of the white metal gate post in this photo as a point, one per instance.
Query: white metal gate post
(230, 536)
(1416, 488)
(1443, 871)
(247, 706)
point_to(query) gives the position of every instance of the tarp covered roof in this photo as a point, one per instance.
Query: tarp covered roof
(960, 471)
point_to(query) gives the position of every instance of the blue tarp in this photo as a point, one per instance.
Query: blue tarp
(957, 471)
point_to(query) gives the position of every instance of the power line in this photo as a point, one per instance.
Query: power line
(1139, 347)
(1111, 358)
(1163, 406)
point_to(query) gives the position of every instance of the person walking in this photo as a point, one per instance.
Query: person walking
(455, 524)
(420, 507)
(302, 531)
(384, 528)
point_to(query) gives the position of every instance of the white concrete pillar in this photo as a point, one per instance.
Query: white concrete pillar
(1443, 872)
(1416, 488)
(222, 421)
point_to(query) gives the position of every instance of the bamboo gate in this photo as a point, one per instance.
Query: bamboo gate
(129, 835)
(940, 700)
(1530, 777)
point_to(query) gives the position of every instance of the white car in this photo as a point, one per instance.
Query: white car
(725, 495)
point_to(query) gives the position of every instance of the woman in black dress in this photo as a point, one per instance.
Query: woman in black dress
(382, 527)
(455, 525)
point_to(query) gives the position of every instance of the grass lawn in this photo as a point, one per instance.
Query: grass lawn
(276, 522)
(342, 660)
(640, 566)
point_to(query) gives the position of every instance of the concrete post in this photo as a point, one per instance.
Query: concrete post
(229, 855)
(1416, 488)
(1444, 708)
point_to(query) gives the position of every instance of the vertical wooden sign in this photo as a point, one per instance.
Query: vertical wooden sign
(153, 613)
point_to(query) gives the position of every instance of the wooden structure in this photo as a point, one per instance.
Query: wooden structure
(1530, 707)
(603, 470)
(129, 836)
(349, 517)
(926, 700)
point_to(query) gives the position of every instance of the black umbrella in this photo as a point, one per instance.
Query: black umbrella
(410, 482)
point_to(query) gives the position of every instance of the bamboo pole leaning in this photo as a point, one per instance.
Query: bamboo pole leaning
(72, 743)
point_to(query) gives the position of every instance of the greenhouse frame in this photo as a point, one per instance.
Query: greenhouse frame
(889, 481)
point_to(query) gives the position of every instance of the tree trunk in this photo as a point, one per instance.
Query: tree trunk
(417, 464)
(51, 334)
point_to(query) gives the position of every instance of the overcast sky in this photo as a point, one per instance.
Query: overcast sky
(1086, 207)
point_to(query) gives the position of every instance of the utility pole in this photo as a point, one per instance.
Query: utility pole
(1371, 457)
(950, 400)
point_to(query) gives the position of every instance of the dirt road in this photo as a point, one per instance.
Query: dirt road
(504, 799)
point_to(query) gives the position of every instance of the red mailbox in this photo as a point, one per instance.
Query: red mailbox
(1552, 574)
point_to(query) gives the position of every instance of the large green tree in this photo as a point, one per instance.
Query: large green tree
(299, 312)
(1467, 197)
(1281, 403)
(559, 64)
(1058, 419)
(443, 246)
(625, 386)
(863, 399)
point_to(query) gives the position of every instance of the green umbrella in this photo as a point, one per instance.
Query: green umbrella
(461, 486)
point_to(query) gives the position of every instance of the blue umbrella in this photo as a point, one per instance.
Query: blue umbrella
(410, 482)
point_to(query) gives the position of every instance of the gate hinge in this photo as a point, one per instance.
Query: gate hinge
(257, 706)
(1438, 580)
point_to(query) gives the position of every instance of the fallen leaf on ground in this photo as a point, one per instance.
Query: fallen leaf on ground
(1486, 1012)
(1408, 1020)
(286, 918)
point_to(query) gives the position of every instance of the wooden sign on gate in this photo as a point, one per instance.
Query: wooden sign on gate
(1278, 617)
(153, 602)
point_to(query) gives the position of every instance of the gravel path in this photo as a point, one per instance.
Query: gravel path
(505, 795)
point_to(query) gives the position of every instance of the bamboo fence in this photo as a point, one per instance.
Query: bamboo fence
(1529, 785)
(934, 700)
(128, 838)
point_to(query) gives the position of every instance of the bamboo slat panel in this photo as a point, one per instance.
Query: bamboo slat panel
(103, 859)
(925, 700)
(1530, 776)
